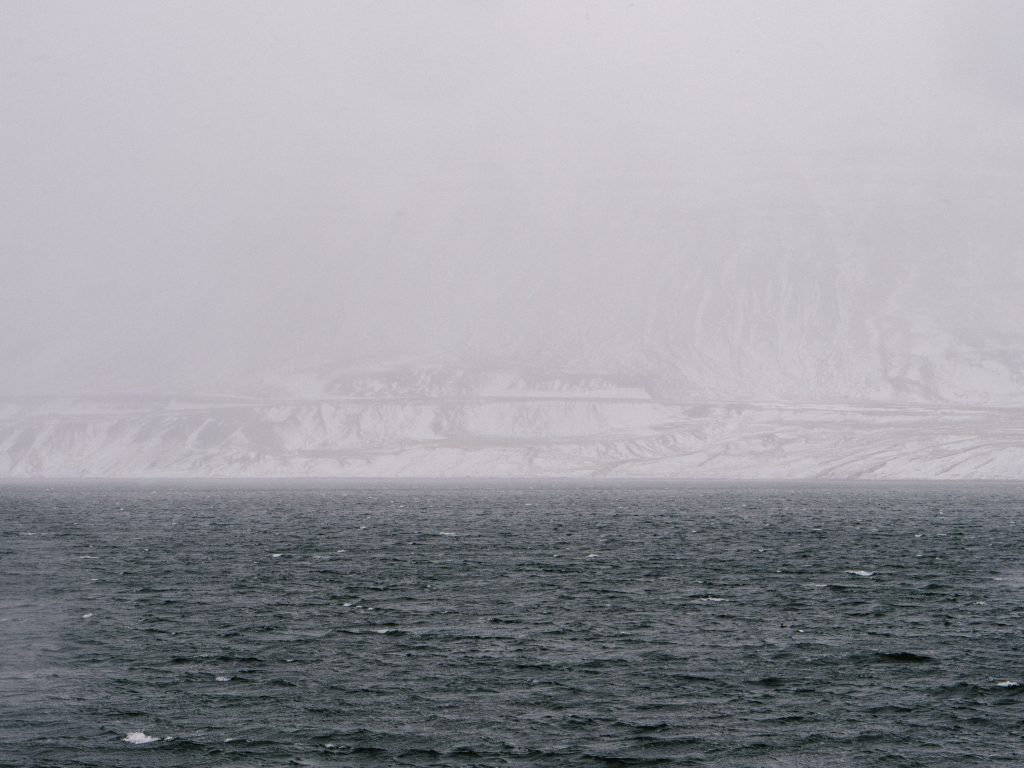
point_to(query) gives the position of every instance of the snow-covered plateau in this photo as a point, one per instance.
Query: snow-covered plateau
(402, 426)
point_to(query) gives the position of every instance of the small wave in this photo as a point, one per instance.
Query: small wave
(1008, 683)
(903, 657)
(222, 678)
(86, 615)
(861, 573)
(138, 737)
(280, 682)
(228, 658)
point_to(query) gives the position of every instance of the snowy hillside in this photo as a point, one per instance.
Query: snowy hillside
(421, 423)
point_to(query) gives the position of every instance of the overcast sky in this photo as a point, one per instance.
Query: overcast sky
(192, 193)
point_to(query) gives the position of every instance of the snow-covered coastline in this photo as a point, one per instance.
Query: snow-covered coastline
(512, 434)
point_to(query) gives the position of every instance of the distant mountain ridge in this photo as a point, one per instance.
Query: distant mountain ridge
(855, 323)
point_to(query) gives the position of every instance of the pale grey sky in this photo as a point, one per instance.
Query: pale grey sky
(194, 193)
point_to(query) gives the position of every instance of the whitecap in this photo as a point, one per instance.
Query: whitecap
(138, 737)
(710, 599)
(1008, 683)
(447, 533)
(861, 573)
(591, 555)
(86, 615)
(276, 554)
(222, 678)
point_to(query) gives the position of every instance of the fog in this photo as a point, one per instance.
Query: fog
(196, 195)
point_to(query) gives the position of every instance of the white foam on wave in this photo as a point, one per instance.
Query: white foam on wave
(710, 599)
(222, 678)
(275, 554)
(86, 615)
(447, 533)
(138, 737)
(861, 573)
(1008, 683)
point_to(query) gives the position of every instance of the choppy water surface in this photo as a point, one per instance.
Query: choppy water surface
(787, 625)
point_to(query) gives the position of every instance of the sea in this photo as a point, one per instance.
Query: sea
(527, 624)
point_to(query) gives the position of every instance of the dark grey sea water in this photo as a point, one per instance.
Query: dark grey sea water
(688, 625)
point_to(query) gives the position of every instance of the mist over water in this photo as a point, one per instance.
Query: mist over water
(734, 199)
(730, 239)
